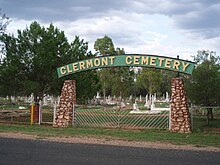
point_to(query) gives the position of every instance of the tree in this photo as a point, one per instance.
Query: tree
(32, 58)
(41, 50)
(4, 21)
(87, 83)
(104, 46)
(121, 82)
(204, 87)
(113, 81)
(11, 68)
(166, 80)
(150, 80)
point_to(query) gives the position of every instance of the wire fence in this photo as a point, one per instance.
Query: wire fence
(87, 116)
(15, 113)
(200, 118)
(108, 117)
(21, 113)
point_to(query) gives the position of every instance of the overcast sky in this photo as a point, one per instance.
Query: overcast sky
(162, 27)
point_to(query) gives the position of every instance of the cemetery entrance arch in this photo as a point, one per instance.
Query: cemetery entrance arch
(180, 119)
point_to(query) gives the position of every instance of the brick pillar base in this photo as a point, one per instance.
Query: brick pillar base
(65, 108)
(180, 116)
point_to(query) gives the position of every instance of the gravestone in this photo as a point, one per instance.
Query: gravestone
(32, 98)
(152, 100)
(130, 98)
(45, 100)
(155, 97)
(147, 104)
(167, 97)
(122, 104)
(98, 95)
(135, 106)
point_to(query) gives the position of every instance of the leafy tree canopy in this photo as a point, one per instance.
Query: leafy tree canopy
(204, 88)
(32, 58)
(150, 80)
(104, 46)
(4, 21)
(113, 81)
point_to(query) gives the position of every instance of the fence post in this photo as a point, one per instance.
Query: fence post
(73, 114)
(191, 111)
(54, 112)
(12, 111)
(40, 113)
(32, 113)
(170, 118)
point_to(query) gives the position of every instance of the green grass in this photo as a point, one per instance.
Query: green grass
(122, 118)
(162, 105)
(195, 138)
(13, 107)
(202, 135)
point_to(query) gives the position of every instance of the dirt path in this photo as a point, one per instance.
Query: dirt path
(108, 141)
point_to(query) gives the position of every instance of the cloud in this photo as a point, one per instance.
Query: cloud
(203, 22)
(196, 16)
(128, 29)
(168, 27)
(54, 10)
(199, 17)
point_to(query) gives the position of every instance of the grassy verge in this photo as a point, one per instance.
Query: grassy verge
(201, 139)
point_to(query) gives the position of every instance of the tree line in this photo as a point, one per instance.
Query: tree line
(29, 62)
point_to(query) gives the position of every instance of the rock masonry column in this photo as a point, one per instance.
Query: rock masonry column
(64, 112)
(180, 116)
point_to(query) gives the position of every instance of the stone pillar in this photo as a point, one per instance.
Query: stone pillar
(65, 108)
(180, 116)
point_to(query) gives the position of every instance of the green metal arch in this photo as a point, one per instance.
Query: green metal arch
(137, 60)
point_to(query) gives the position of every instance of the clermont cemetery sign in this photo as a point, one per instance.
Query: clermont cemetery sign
(155, 61)
(179, 111)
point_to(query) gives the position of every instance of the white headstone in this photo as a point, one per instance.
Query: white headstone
(152, 102)
(152, 105)
(58, 100)
(98, 95)
(122, 104)
(32, 98)
(52, 100)
(135, 107)
(12, 98)
(45, 100)
(147, 102)
(155, 96)
(167, 97)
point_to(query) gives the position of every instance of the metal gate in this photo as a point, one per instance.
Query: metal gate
(109, 118)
